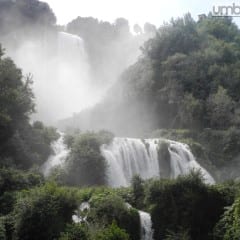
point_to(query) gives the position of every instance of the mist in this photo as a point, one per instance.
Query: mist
(68, 76)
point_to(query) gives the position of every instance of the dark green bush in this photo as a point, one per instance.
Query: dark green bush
(75, 232)
(43, 212)
(12, 180)
(184, 203)
(228, 228)
(2, 230)
(86, 166)
(137, 185)
(107, 208)
(112, 232)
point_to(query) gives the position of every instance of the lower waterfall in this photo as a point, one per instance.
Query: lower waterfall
(127, 157)
(146, 226)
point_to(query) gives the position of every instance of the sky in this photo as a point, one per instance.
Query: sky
(136, 11)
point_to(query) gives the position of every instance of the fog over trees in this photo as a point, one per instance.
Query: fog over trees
(109, 132)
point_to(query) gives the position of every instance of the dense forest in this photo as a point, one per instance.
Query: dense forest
(184, 86)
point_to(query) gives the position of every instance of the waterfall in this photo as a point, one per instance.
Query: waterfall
(146, 226)
(127, 157)
(59, 156)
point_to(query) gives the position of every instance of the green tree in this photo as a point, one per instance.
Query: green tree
(16, 98)
(228, 228)
(138, 191)
(43, 212)
(113, 232)
(220, 109)
(86, 166)
(75, 232)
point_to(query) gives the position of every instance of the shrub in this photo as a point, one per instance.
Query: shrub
(112, 232)
(12, 180)
(228, 228)
(86, 166)
(106, 208)
(75, 232)
(2, 230)
(42, 213)
(184, 203)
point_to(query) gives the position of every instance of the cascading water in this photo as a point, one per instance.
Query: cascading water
(146, 226)
(127, 157)
(182, 161)
(58, 158)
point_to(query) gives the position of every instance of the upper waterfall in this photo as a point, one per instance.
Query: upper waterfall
(127, 157)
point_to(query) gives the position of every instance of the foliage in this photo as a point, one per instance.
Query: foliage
(43, 212)
(220, 108)
(21, 144)
(22, 13)
(86, 166)
(138, 191)
(75, 232)
(106, 208)
(113, 232)
(229, 225)
(16, 98)
(2, 230)
(188, 77)
(185, 203)
(181, 235)
(12, 180)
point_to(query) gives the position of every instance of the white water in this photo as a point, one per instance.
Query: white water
(82, 213)
(127, 157)
(58, 158)
(182, 161)
(146, 226)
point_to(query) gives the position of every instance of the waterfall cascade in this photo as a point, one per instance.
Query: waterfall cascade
(127, 157)
(58, 157)
(146, 226)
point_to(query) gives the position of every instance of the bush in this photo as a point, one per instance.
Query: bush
(184, 203)
(43, 212)
(112, 232)
(228, 228)
(2, 230)
(106, 208)
(86, 166)
(138, 191)
(12, 180)
(75, 232)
